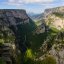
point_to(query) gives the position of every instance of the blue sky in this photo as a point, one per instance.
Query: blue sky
(36, 6)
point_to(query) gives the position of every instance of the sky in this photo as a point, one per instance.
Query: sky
(31, 6)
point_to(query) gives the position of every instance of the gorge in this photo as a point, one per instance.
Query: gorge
(39, 40)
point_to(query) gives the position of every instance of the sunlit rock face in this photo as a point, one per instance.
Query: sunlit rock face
(54, 17)
(58, 53)
(54, 21)
(52, 10)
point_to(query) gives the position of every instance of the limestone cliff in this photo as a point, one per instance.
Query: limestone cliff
(21, 26)
(54, 17)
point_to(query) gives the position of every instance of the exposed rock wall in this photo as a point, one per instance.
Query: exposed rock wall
(19, 22)
(21, 25)
(54, 17)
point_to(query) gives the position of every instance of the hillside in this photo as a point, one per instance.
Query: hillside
(50, 36)
(15, 28)
(54, 17)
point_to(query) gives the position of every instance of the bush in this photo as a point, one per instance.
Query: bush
(49, 60)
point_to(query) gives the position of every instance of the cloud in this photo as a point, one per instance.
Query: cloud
(19, 2)
(38, 1)
(14, 2)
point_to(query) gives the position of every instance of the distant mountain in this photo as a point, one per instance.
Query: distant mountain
(31, 13)
(35, 16)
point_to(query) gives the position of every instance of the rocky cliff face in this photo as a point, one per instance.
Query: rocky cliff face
(12, 17)
(52, 10)
(19, 22)
(54, 17)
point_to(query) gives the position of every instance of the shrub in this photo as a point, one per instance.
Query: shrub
(49, 60)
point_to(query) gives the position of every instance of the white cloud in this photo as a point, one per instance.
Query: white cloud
(14, 2)
(38, 1)
(28, 1)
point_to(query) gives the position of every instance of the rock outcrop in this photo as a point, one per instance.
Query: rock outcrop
(52, 10)
(54, 17)
(20, 24)
(7, 53)
(13, 18)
